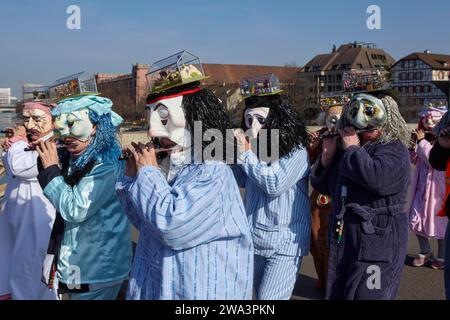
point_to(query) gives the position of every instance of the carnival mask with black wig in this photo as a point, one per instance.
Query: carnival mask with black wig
(171, 115)
(269, 112)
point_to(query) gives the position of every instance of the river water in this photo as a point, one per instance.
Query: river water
(7, 119)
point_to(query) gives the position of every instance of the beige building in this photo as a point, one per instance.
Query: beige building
(324, 73)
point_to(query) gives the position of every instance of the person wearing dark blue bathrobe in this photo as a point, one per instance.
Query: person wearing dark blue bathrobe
(367, 176)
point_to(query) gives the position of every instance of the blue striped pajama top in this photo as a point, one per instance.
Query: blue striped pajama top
(195, 240)
(277, 202)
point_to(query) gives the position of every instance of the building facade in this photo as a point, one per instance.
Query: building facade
(413, 79)
(324, 73)
(5, 96)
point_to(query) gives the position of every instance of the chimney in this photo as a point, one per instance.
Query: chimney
(427, 51)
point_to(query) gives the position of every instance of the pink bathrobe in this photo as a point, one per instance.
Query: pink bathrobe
(428, 195)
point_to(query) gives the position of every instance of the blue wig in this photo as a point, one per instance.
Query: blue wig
(104, 146)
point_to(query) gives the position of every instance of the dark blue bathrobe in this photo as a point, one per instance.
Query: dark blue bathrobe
(368, 262)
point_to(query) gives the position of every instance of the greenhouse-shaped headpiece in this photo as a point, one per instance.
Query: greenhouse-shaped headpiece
(333, 99)
(82, 83)
(178, 69)
(365, 81)
(260, 85)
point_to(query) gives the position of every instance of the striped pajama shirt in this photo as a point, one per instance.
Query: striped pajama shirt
(195, 240)
(278, 209)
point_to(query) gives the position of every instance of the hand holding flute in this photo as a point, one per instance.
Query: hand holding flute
(140, 156)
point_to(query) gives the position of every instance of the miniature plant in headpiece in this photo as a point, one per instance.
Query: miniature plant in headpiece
(175, 70)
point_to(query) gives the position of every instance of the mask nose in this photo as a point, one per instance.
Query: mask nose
(155, 126)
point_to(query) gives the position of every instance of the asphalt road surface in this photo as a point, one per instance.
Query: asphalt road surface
(422, 283)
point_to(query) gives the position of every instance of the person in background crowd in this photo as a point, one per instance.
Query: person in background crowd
(91, 239)
(276, 194)
(428, 193)
(27, 213)
(320, 203)
(440, 160)
(367, 180)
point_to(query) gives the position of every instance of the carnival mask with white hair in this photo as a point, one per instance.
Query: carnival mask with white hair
(366, 112)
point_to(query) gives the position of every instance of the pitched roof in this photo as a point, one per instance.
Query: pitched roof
(234, 73)
(349, 56)
(435, 61)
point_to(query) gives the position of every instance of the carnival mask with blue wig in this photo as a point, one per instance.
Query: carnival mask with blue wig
(87, 125)
(366, 112)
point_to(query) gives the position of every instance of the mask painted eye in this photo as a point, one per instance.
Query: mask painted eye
(369, 111)
(248, 121)
(261, 120)
(163, 113)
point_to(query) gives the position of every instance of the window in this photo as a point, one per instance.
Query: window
(411, 89)
(402, 76)
(419, 89)
(419, 75)
(426, 89)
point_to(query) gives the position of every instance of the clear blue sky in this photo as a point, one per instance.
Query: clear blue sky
(36, 46)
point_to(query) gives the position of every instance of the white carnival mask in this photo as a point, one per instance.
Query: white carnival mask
(255, 118)
(75, 124)
(166, 119)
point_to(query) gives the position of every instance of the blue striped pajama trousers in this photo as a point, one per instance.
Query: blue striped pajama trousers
(275, 276)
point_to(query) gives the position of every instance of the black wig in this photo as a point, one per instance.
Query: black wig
(204, 106)
(292, 131)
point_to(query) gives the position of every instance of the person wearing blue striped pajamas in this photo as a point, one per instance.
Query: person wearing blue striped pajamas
(195, 241)
(276, 198)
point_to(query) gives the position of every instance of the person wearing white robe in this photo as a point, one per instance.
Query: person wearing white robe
(26, 211)
(5, 254)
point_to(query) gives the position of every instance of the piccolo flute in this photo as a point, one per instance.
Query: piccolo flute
(127, 155)
(331, 135)
(34, 148)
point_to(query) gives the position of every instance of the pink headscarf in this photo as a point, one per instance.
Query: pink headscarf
(39, 105)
